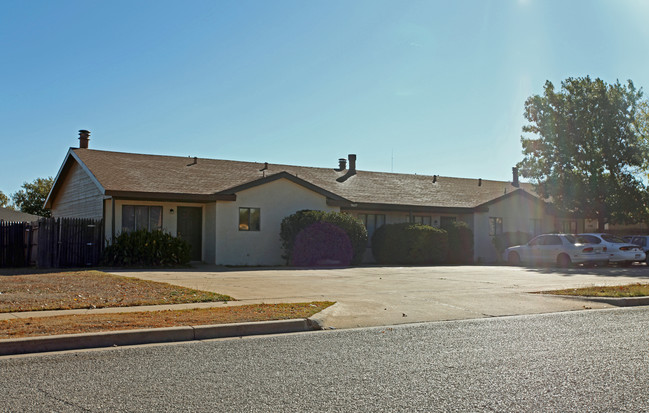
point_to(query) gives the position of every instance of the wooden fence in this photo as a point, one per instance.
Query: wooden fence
(70, 242)
(52, 242)
(16, 239)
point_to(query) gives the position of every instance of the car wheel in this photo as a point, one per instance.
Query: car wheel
(563, 260)
(626, 263)
(513, 258)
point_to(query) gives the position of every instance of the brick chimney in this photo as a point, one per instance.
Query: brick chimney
(84, 137)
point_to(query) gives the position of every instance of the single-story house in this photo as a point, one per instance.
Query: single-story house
(9, 215)
(230, 211)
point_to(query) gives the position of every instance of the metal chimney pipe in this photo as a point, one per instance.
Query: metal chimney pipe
(515, 177)
(352, 163)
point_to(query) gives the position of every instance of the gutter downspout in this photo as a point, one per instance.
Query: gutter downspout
(112, 220)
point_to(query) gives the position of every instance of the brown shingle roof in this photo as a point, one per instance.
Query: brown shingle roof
(128, 172)
(9, 215)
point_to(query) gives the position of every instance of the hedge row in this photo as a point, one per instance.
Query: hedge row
(415, 244)
(141, 247)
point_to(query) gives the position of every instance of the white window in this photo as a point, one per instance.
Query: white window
(249, 219)
(136, 217)
(495, 226)
(372, 222)
(421, 220)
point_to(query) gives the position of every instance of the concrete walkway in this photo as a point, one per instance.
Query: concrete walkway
(376, 296)
(367, 296)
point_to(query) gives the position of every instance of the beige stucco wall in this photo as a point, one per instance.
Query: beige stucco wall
(78, 196)
(277, 200)
(516, 211)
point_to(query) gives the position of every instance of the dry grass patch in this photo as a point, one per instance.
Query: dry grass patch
(631, 290)
(91, 289)
(90, 323)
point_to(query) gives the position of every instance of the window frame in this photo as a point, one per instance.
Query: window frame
(248, 225)
(135, 215)
(495, 226)
(365, 218)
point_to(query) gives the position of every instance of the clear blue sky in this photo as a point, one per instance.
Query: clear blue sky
(427, 87)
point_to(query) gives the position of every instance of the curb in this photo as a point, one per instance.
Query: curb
(618, 302)
(28, 345)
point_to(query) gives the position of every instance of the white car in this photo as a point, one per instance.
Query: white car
(619, 251)
(560, 249)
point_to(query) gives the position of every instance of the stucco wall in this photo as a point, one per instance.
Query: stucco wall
(516, 211)
(78, 196)
(276, 200)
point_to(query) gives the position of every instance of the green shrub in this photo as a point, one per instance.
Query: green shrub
(321, 244)
(293, 224)
(141, 247)
(409, 244)
(460, 243)
(508, 239)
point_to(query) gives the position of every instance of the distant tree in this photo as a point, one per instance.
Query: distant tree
(4, 200)
(642, 128)
(31, 199)
(588, 149)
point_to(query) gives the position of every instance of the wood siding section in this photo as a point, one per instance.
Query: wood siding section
(78, 196)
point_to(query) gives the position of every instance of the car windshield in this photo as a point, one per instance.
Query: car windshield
(613, 239)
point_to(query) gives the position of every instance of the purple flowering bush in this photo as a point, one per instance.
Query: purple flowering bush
(322, 243)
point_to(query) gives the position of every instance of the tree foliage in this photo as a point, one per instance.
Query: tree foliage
(31, 198)
(4, 200)
(587, 149)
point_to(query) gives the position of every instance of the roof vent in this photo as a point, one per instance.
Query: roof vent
(342, 164)
(84, 137)
(479, 181)
(434, 178)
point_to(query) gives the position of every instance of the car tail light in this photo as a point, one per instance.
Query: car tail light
(587, 249)
(605, 249)
(628, 248)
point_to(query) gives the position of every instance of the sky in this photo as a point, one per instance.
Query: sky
(425, 87)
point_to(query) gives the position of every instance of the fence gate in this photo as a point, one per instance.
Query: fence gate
(15, 242)
(70, 242)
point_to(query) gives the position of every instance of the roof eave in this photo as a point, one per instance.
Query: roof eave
(170, 196)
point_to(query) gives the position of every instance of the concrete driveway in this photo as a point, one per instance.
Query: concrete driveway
(377, 296)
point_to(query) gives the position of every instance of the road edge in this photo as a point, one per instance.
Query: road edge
(40, 344)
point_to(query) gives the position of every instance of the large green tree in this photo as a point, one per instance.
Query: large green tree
(4, 200)
(584, 149)
(31, 198)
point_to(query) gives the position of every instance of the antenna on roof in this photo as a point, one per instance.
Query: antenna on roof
(263, 170)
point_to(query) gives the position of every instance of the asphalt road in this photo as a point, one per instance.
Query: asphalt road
(579, 361)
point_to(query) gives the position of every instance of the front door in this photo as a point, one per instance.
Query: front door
(190, 224)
